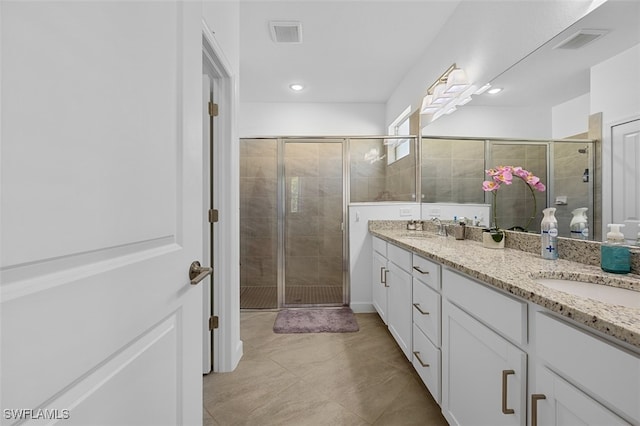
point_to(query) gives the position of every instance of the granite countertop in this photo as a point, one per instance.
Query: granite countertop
(513, 271)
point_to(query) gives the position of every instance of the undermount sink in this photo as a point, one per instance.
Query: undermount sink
(600, 292)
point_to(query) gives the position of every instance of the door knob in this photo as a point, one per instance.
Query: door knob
(197, 272)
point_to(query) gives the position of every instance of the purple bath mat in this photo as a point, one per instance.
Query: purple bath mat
(340, 320)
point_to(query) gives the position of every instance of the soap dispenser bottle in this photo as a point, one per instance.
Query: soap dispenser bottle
(614, 255)
(549, 234)
(579, 225)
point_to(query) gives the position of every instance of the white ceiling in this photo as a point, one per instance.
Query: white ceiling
(352, 51)
(551, 76)
(359, 51)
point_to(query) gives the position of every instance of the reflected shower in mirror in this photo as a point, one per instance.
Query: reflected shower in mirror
(453, 171)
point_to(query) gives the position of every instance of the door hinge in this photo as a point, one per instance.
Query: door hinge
(213, 215)
(213, 322)
(213, 109)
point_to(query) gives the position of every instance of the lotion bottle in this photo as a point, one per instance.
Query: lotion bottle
(579, 224)
(549, 234)
(614, 255)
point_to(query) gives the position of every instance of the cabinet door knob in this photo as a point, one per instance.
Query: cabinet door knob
(535, 397)
(505, 374)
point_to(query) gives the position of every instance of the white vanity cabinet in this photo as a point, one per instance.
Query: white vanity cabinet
(581, 379)
(484, 375)
(426, 323)
(558, 403)
(491, 358)
(391, 291)
(399, 319)
(379, 277)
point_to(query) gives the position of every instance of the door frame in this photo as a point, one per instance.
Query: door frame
(607, 169)
(227, 346)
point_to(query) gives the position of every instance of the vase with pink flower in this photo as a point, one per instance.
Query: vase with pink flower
(504, 175)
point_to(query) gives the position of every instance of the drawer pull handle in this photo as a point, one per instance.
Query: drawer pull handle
(417, 268)
(417, 306)
(383, 272)
(535, 397)
(505, 374)
(417, 355)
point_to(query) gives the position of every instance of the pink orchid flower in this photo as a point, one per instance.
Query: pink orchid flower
(504, 175)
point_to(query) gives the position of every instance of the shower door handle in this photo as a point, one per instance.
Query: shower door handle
(198, 273)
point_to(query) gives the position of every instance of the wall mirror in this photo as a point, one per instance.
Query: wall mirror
(549, 76)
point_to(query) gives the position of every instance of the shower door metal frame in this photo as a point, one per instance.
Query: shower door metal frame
(281, 200)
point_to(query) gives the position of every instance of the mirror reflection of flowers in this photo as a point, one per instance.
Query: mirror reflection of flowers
(503, 175)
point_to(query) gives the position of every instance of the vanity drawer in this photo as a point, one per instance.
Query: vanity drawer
(503, 313)
(400, 257)
(426, 361)
(380, 246)
(426, 271)
(426, 310)
(601, 369)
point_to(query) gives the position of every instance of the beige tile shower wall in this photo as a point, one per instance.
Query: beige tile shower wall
(569, 167)
(452, 171)
(368, 168)
(314, 210)
(400, 178)
(515, 202)
(258, 212)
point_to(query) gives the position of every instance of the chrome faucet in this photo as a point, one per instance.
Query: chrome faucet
(442, 228)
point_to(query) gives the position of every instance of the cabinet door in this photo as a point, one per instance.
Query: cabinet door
(399, 312)
(566, 405)
(484, 376)
(379, 285)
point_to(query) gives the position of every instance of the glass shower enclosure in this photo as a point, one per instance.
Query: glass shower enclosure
(292, 209)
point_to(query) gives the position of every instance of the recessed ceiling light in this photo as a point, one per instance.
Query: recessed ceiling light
(494, 90)
(296, 87)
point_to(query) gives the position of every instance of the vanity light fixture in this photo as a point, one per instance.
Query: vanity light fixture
(483, 89)
(450, 90)
(494, 90)
(296, 87)
(465, 101)
(457, 81)
(440, 96)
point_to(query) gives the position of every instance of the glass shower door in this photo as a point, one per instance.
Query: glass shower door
(313, 199)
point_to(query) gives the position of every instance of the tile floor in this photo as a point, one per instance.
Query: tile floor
(318, 379)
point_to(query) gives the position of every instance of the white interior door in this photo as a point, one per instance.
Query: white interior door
(625, 184)
(101, 211)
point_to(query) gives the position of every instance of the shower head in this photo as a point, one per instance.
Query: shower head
(583, 150)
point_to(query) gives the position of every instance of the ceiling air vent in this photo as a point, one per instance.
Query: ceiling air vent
(286, 31)
(580, 39)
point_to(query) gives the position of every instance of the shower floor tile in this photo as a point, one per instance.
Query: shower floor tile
(267, 297)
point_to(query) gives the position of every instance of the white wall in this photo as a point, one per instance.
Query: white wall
(310, 119)
(485, 23)
(496, 122)
(615, 91)
(360, 249)
(615, 86)
(570, 118)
